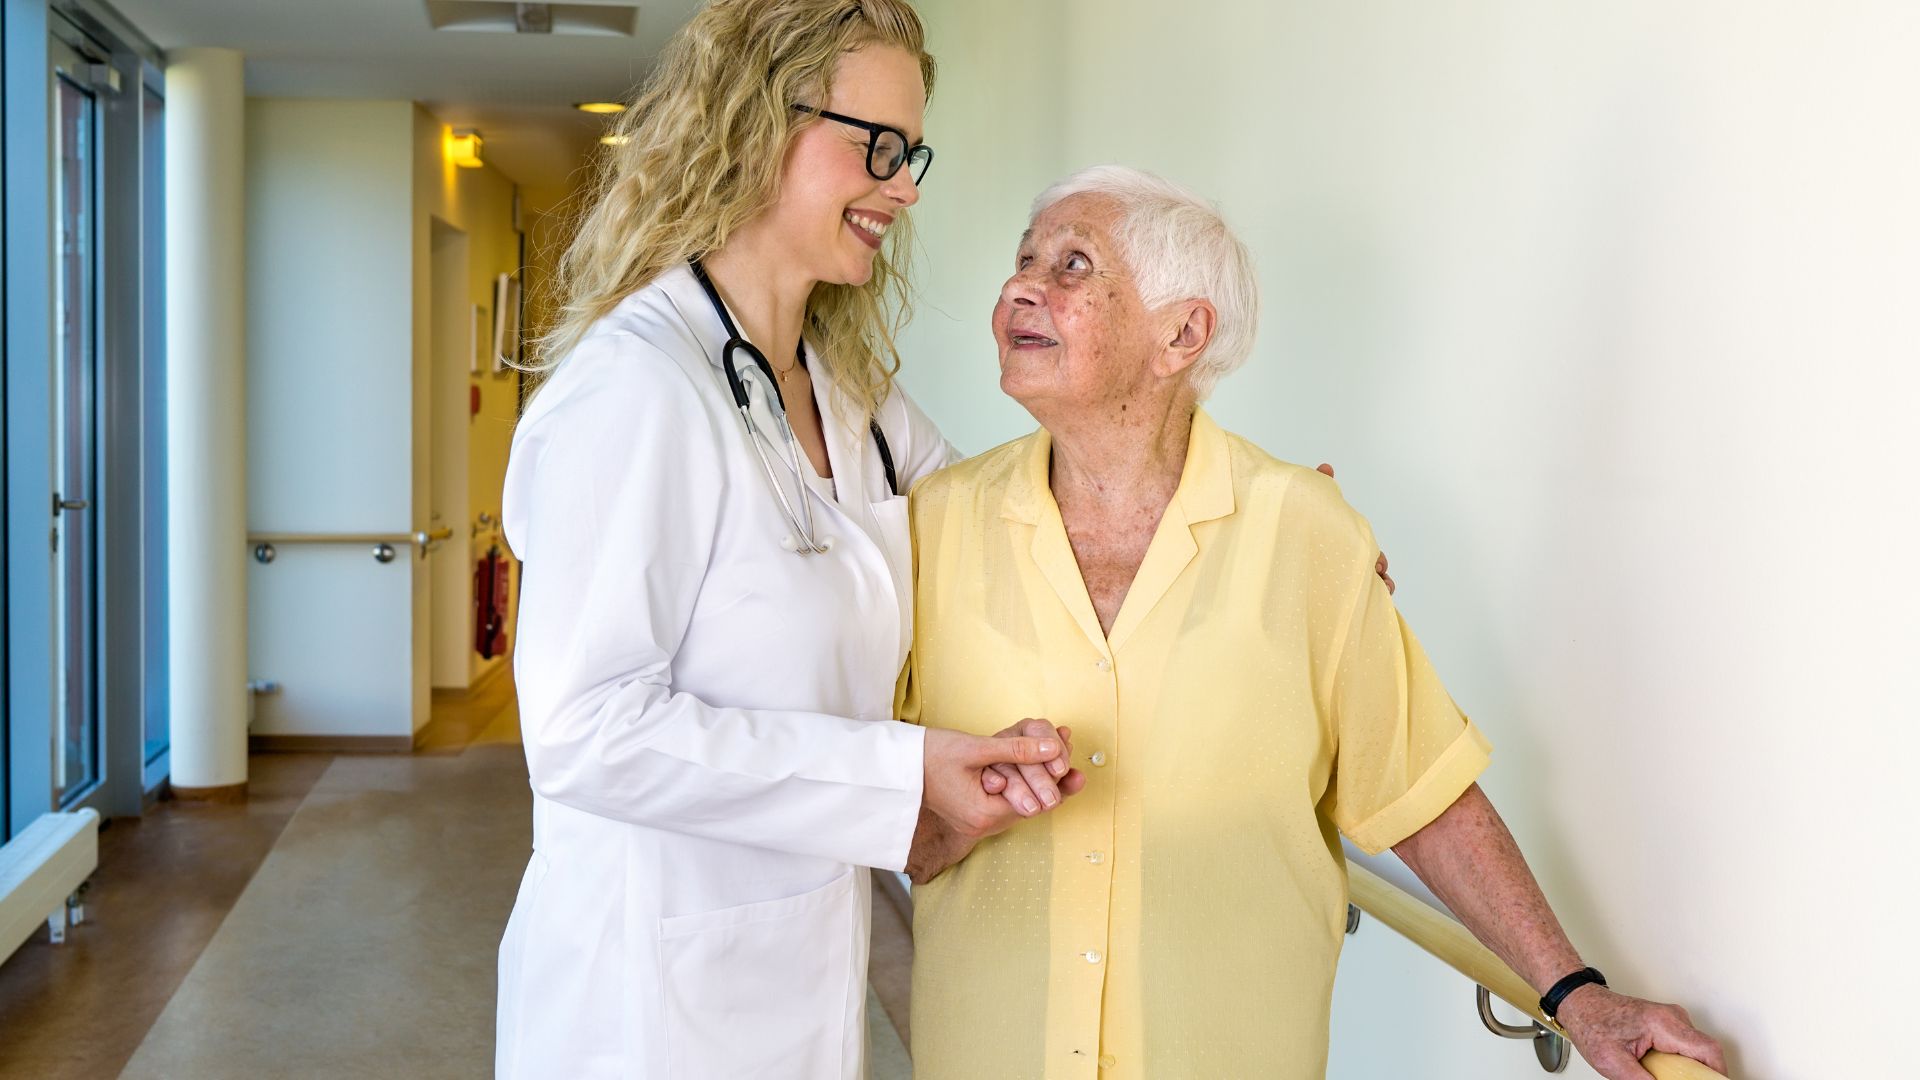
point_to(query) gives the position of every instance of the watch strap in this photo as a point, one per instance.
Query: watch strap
(1550, 1001)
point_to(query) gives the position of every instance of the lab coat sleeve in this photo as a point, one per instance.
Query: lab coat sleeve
(926, 450)
(613, 501)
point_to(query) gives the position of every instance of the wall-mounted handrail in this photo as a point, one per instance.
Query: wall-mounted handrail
(420, 538)
(1454, 945)
(266, 545)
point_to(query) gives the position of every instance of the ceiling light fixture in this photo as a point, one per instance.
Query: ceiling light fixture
(594, 18)
(600, 108)
(613, 140)
(463, 148)
(533, 18)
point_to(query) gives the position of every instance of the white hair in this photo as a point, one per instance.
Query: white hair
(1179, 248)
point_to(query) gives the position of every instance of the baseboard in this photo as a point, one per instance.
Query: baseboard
(478, 686)
(330, 744)
(224, 793)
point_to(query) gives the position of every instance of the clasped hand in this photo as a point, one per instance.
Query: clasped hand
(976, 787)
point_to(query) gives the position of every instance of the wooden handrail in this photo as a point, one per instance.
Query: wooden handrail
(1444, 937)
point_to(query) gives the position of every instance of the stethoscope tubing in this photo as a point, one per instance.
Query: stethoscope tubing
(803, 540)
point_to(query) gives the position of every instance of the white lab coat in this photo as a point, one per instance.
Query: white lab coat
(707, 718)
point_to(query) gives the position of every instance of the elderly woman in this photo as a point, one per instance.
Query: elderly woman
(1238, 685)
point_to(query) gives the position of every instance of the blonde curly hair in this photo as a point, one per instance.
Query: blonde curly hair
(699, 152)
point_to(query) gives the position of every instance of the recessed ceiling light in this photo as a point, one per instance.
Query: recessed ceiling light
(596, 18)
(601, 107)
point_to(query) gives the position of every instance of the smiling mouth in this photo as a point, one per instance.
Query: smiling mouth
(1031, 341)
(865, 227)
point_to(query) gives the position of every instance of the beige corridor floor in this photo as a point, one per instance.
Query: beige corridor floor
(341, 923)
(364, 946)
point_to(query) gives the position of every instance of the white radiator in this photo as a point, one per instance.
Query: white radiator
(39, 869)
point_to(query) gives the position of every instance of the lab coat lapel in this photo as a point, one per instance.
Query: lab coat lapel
(704, 328)
(839, 423)
(709, 334)
(876, 514)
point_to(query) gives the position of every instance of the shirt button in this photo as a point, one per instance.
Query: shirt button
(1098, 757)
(1107, 1062)
(1103, 664)
(1096, 857)
(1092, 956)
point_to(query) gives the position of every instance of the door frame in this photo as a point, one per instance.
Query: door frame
(130, 579)
(129, 584)
(28, 328)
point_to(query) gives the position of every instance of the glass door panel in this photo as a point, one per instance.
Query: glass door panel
(76, 121)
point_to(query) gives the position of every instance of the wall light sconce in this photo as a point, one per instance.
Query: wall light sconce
(463, 148)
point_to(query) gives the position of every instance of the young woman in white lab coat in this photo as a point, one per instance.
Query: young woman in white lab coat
(706, 705)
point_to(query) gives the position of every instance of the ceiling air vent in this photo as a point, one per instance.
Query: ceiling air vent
(594, 18)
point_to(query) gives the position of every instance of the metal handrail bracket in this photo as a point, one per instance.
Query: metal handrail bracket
(266, 545)
(1443, 937)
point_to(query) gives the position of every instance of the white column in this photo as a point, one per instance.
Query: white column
(206, 420)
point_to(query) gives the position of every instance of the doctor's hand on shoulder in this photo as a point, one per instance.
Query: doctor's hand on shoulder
(967, 797)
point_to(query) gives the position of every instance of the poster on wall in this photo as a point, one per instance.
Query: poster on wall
(506, 323)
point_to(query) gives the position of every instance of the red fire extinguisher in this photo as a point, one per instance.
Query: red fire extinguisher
(490, 584)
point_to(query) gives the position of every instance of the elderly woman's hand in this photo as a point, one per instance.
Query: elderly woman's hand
(1379, 567)
(1614, 1031)
(1034, 789)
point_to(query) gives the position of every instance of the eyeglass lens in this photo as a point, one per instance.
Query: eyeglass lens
(889, 152)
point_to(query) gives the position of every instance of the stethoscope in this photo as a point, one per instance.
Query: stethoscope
(804, 540)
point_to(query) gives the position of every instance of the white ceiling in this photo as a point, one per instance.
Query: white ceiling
(517, 89)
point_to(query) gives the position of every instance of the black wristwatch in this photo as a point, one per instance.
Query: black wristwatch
(1550, 1003)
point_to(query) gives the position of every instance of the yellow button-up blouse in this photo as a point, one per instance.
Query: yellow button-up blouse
(1182, 916)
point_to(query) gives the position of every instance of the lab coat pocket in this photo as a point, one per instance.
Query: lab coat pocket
(763, 989)
(890, 515)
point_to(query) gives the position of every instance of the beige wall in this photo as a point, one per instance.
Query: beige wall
(1606, 314)
(478, 202)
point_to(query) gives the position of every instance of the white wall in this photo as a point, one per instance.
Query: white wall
(1608, 317)
(329, 411)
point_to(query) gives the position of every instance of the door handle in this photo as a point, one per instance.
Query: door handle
(60, 504)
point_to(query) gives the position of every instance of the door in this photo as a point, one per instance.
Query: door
(77, 743)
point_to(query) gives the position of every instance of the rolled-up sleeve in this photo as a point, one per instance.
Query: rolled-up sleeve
(1404, 751)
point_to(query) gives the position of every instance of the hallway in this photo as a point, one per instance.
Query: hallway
(1604, 313)
(362, 946)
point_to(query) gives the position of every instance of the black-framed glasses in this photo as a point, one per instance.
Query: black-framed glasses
(887, 147)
